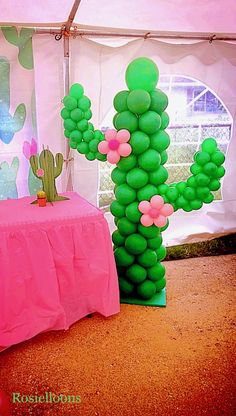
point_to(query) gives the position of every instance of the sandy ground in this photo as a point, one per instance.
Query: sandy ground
(178, 360)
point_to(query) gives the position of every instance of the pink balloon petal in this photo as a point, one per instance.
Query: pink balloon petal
(167, 210)
(157, 201)
(123, 136)
(113, 157)
(146, 220)
(144, 207)
(124, 149)
(110, 134)
(160, 221)
(103, 147)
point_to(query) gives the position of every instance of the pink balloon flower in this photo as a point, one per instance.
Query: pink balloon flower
(115, 145)
(155, 211)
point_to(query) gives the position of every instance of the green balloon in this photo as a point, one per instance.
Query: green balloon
(67, 134)
(149, 160)
(126, 227)
(69, 125)
(181, 187)
(159, 101)
(142, 73)
(135, 244)
(146, 192)
(137, 178)
(117, 209)
(98, 135)
(132, 212)
(172, 194)
(65, 113)
(214, 185)
(195, 169)
(160, 141)
(147, 289)
(93, 145)
(154, 243)
(159, 176)
(84, 103)
(123, 258)
(125, 286)
(196, 204)
(181, 202)
(136, 273)
(189, 193)
(156, 272)
(117, 238)
(72, 144)
(82, 125)
(101, 157)
(76, 136)
(83, 148)
(77, 115)
(148, 258)
(88, 114)
(118, 176)
(149, 122)
(138, 101)
(161, 253)
(165, 226)
(192, 181)
(208, 199)
(202, 179)
(120, 101)
(125, 194)
(90, 156)
(202, 192)
(201, 158)
(218, 158)
(160, 284)
(69, 102)
(162, 189)
(220, 172)
(139, 142)
(88, 136)
(76, 91)
(210, 169)
(127, 163)
(165, 120)
(91, 127)
(148, 232)
(126, 120)
(164, 157)
(209, 145)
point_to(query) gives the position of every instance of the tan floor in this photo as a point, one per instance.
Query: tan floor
(178, 360)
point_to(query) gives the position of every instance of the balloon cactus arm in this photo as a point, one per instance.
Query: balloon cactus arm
(206, 172)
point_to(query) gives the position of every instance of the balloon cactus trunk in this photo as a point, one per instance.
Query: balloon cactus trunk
(143, 200)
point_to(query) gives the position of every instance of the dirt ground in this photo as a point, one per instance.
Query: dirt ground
(178, 360)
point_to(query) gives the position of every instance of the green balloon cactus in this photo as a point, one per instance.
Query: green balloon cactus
(143, 200)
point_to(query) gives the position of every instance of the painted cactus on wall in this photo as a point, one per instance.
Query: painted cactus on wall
(137, 147)
(8, 175)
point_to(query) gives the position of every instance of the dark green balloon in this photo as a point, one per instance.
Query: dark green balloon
(192, 181)
(201, 158)
(159, 176)
(123, 258)
(137, 178)
(126, 227)
(139, 142)
(156, 272)
(208, 199)
(164, 157)
(149, 160)
(147, 289)
(210, 169)
(93, 145)
(161, 253)
(162, 189)
(202, 192)
(136, 273)
(117, 209)
(142, 73)
(132, 212)
(83, 148)
(127, 163)
(90, 156)
(195, 169)
(160, 284)
(118, 176)
(120, 101)
(189, 193)
(159, 101)
(135, 244)
(165, 120)
(148, 232)
(117, 238)
(196, 204)
(220, 172)
(67, 134)
(69, 124)
(145, 193)
(160, 141)
(125, 286)
(73, 144)
(218, 158)
(126, 120)
(149, 122)
(172, 193)
(88, 136)
(148, 258)
(76, 136)
(138, 101)
(154, 243)
(214, 185)
(202, 179)
(82, 125)
(125, 194)
(181, 186)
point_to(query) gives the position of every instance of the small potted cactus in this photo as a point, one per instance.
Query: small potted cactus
(41, 198)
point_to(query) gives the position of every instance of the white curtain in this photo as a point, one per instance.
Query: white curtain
(101, 70)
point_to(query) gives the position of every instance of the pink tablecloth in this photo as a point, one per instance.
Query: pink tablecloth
(56, 266)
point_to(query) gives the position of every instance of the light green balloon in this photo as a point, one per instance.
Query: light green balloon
(165, 120)
(150, 122)
(84, 103)
(209, 145)
(127, 163)
(159, 101)
(118, 176)
(125, 194)
(160, 141)
(159, 176)
(70, 102)
(132, 212)
(77, 114)
(65, 113)
(83, 148)
(142, 73)
(137, 178)
(149, 160)
(76, 136)
(69, 124)
(138, 101)
(139, 142)
(76, 91)
(145, 193)
(126, 120)
(120, 101)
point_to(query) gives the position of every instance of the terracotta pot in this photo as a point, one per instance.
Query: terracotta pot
(42, 202)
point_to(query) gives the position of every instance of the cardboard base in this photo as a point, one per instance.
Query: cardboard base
(159, 299)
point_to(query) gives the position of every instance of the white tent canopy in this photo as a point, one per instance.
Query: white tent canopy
(101, 68)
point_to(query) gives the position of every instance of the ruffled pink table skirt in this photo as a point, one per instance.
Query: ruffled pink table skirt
(56, 266)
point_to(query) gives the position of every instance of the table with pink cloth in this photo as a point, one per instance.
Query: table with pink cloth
(56, 266)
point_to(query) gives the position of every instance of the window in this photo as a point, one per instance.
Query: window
(195, 113)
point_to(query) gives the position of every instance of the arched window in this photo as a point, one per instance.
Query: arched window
(195, 113)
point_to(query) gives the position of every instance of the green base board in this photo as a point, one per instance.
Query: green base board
(158, 300)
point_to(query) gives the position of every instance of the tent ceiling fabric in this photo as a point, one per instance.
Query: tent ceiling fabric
(191, 16)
